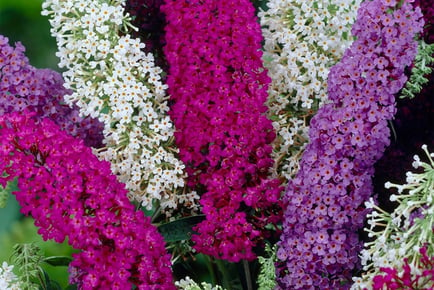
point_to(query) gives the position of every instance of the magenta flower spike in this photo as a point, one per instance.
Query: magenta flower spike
(218, 87)
(71, 194)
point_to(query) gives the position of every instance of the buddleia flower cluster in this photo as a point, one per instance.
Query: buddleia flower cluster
(319, 245)
(71, 194)
(112, 79)
(398, 237)
(302, 40)
(218, 86)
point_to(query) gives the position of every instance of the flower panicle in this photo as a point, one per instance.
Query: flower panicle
(112, 78)
(302, 40)
(71, 194)
(319, 245)
(218, 87)
(189, 284)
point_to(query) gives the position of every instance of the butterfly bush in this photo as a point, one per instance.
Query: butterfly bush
(324, 202)
(112, 79)
(23, 86)
(404, 239)
(218, 87)
(8, 279)
(303, 39)
(71, 194)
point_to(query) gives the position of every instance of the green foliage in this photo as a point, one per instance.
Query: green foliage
(6, 191)
(21, 20)
(267, 275)
(420, 71)
(23, 231)
(58, 260)
(10, 212)
(180, 229)
(260, 4)
(26, 258)
(4, 194)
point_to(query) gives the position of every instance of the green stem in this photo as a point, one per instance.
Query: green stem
(223, 270)
(211, 269)
(248, 276)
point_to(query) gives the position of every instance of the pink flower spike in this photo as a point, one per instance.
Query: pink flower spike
(218, 86)
(71, 194)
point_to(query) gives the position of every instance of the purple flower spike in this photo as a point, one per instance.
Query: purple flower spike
(347, 137)
(40, 90)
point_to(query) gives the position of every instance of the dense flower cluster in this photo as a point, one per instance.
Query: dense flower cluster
(218, 87)
(114, 80)
(303, 39)
(70, 193)
(8, 280)
(319, 244)
(40, 90)
(399, 235)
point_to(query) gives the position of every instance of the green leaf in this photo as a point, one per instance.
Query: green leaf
(45, 279)
(53, 285)
(26, 257)
(105, 110)
(181, 229)
(6, 191)
(58, 260)
(3, 197)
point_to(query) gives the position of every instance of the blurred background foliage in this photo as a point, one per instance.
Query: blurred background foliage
(21, 21)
